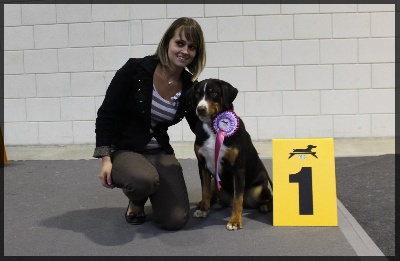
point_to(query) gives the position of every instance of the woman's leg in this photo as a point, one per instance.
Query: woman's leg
(170, 201)
(137, 177)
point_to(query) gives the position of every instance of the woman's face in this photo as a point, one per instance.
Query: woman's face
(181, 52)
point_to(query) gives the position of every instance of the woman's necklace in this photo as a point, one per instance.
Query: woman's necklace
(164, 77)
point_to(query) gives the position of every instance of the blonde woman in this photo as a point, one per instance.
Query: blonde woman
(144, 98)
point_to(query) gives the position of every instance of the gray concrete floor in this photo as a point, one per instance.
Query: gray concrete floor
(71, 216)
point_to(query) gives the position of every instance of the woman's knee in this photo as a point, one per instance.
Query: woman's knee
(174, 221)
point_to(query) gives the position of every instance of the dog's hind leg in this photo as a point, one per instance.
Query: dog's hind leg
(267, 194)
(258, 197)
(266, 197)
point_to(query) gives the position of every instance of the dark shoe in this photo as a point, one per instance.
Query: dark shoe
(135, 218)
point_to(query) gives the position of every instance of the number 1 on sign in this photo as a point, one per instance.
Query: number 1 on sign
(304, 178)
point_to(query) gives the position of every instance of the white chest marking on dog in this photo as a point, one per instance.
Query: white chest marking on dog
(208, 151)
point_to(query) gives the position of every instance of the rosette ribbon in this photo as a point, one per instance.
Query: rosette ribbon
(224, 125)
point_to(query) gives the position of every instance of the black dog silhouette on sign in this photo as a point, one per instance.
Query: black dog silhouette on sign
(304, 151)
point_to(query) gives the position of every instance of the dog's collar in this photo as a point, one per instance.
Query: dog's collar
(227, 122)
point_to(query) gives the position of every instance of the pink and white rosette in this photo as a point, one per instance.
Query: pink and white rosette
(224, 125)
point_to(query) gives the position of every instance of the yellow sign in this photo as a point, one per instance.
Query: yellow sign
(303, 172)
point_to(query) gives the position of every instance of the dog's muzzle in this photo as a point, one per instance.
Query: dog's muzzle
(201, 111)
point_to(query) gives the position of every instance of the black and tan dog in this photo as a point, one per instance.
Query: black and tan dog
(243, 176)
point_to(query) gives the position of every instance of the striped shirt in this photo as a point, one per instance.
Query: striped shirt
(161, 111)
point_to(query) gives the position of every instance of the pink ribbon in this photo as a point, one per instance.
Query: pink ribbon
(218, 142)
(224, 125)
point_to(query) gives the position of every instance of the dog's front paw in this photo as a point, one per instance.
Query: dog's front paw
(200, 214)
(234, 224)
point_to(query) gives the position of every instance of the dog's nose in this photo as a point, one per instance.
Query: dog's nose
(201, 110)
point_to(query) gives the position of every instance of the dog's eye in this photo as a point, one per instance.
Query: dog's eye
(214, 95)
(196, 95)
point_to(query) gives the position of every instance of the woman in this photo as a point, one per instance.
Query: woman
(144, 98)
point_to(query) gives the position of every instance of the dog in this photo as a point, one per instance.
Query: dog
(243, 176)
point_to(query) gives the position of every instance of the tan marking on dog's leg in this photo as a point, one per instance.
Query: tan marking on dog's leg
(231, 155)
(235, 221)
(204, 204)
(206, 197)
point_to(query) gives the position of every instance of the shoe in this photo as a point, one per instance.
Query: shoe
(135, 218)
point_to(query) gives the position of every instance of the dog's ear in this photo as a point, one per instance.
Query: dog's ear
(189, 96)
(229, 94)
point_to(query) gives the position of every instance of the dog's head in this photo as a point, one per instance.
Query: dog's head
(210, 97)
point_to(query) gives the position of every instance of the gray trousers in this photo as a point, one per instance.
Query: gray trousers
(158, 177)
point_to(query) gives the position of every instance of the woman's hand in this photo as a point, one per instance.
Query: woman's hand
(105, 172)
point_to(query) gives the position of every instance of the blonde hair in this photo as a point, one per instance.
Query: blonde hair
(193, 33)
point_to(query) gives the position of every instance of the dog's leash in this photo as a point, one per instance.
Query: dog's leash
(224, 125)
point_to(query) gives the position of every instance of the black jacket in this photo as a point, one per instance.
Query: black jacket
(123, 120)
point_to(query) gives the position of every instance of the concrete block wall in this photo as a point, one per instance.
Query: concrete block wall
(303, 71)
